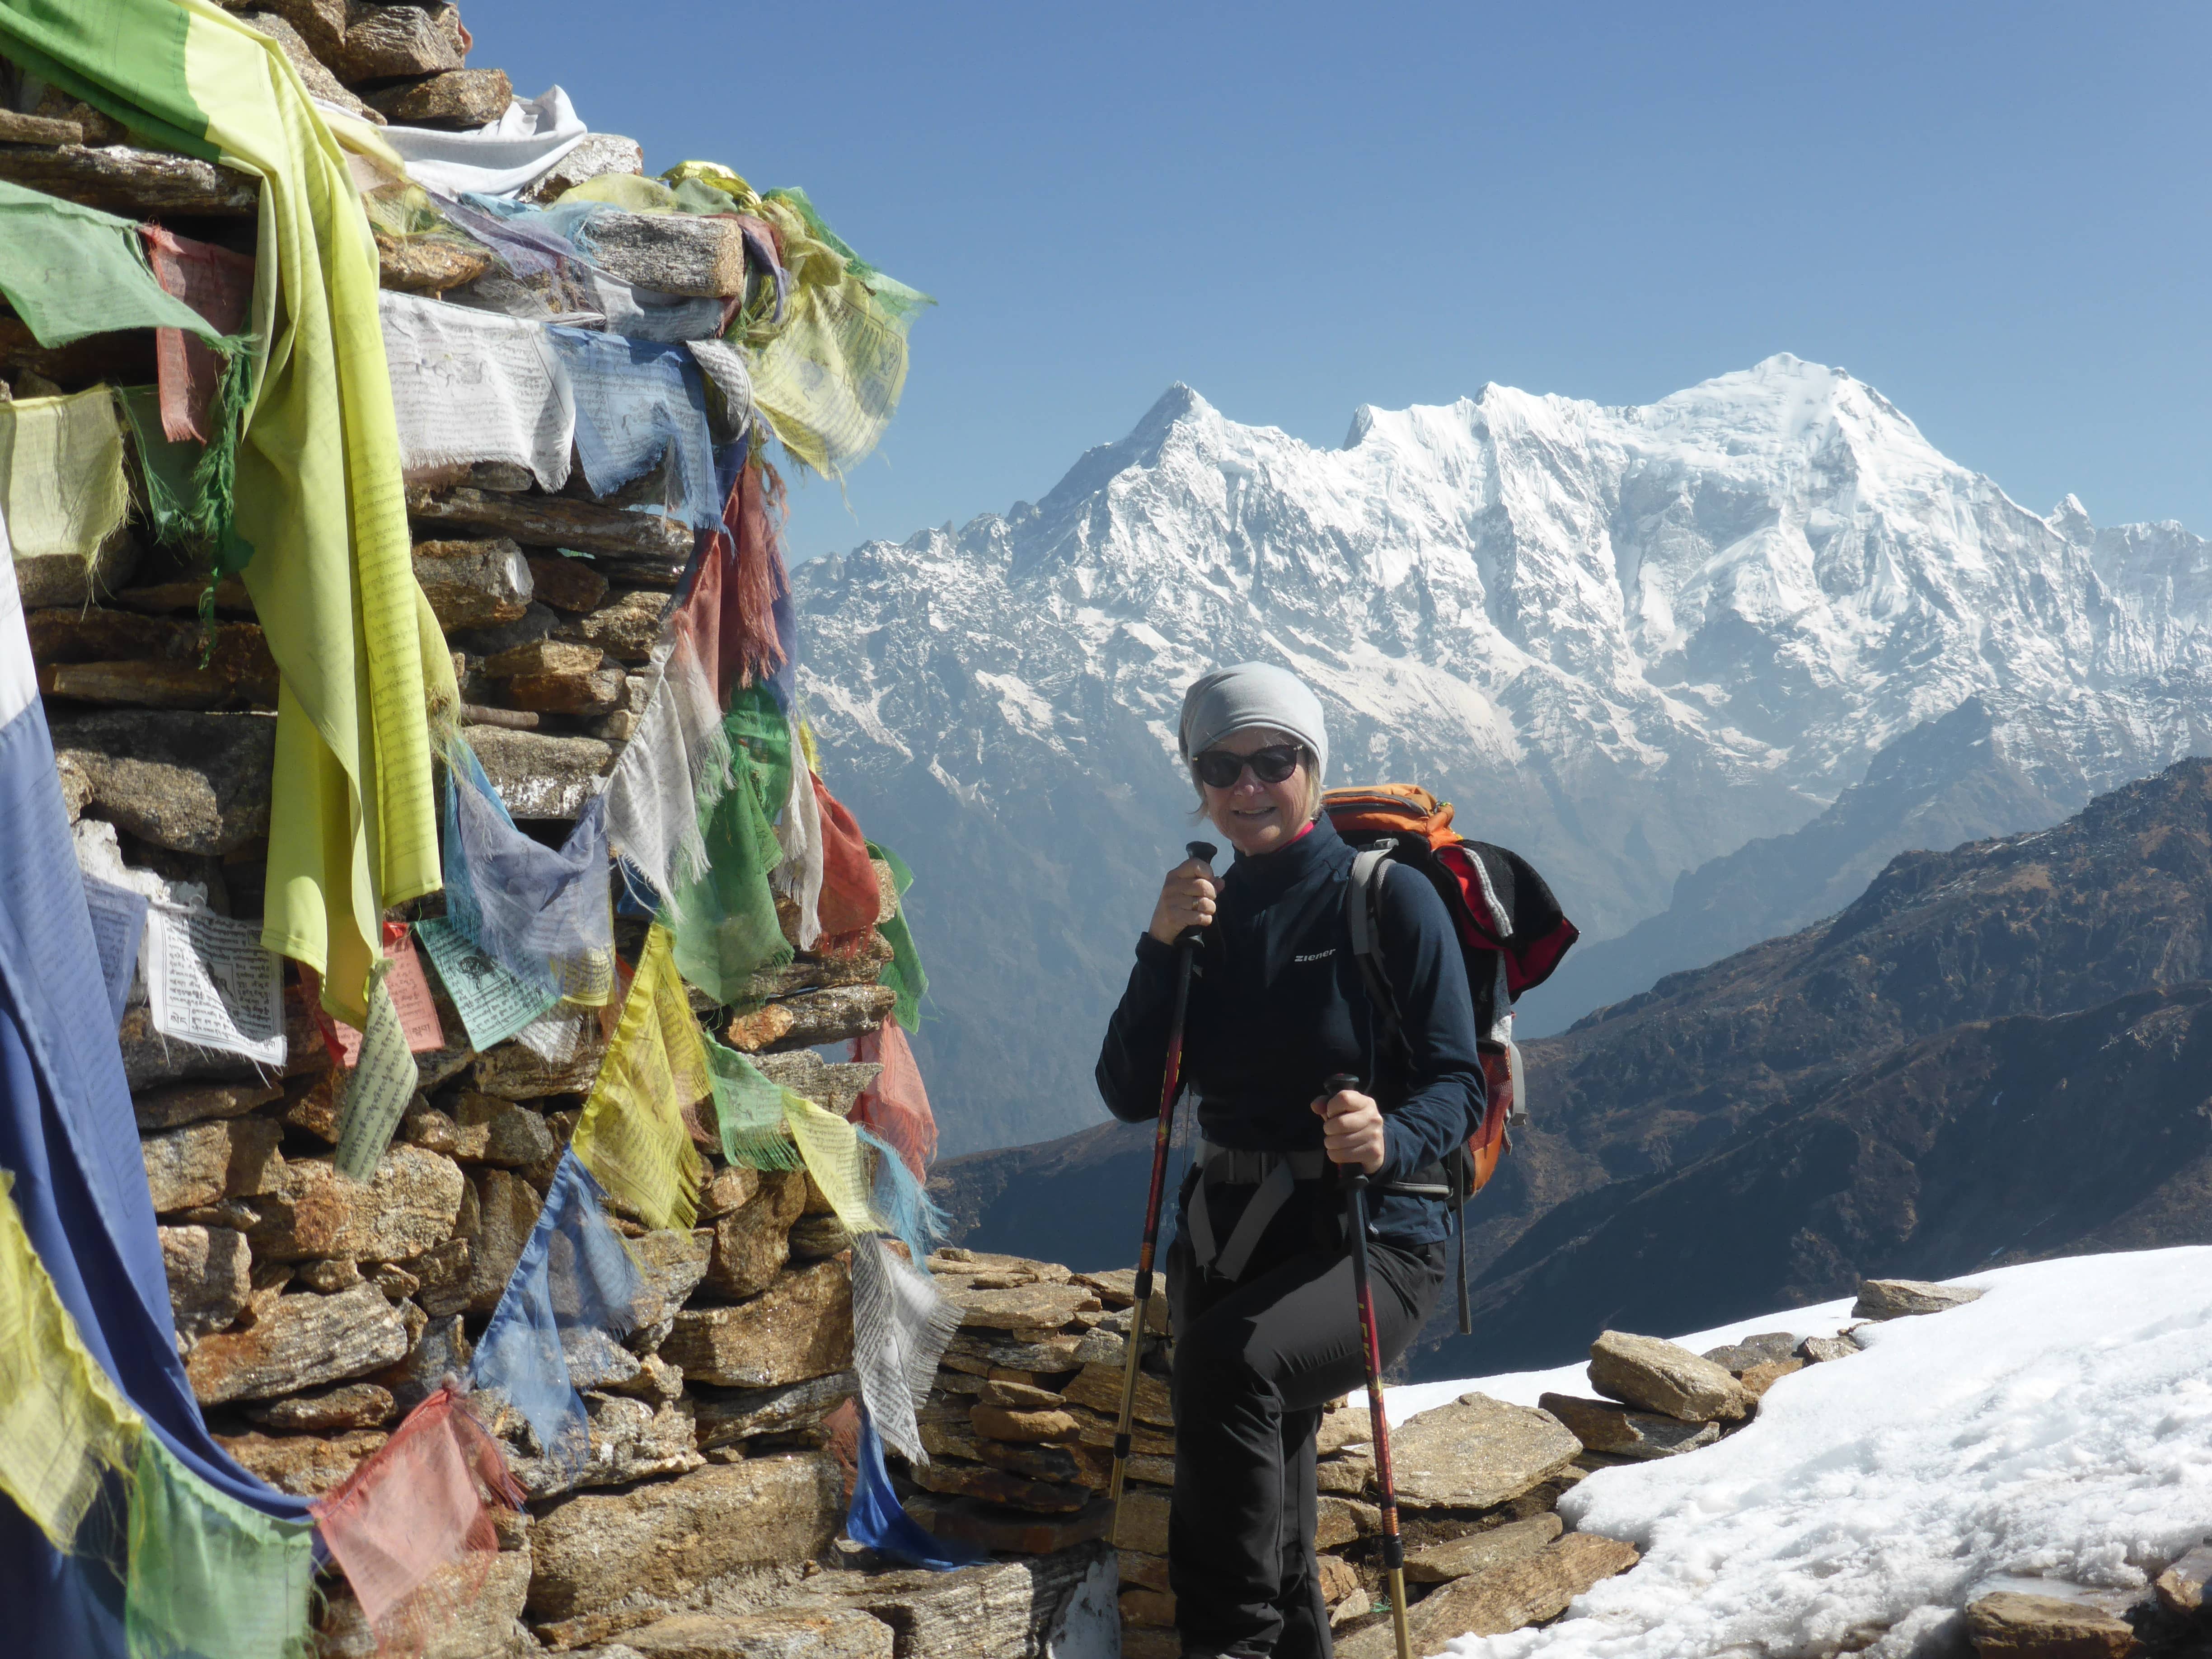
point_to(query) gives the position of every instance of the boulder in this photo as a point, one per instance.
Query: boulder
(700, 255)
(627, 1440)
(1510, 1597)
(1602, 1426)
(350, 1405)
(1060, 1605)
(800, 1326)
(304, 1465)
(1099, 1386)
(778, 1633)
(1764, 1349)
(655, 1547)
(440, 1348)
(1664, 1377)
(186, 783)
(2017, 1626)
(1477, 1452)
(673, 1263)
(410, 1204)
(63, 578)
(299, 1342)
(483, 1129)
(205, 1162)
(507, 1206)
(1900, 1298)
(210, 1270)
(1479, 1551)
(479, 1604)
(457, 98)
(193, 1102)
(807, 1018)
(726, 1418)
(1817, 1349)
(813, 1236)
(600, 154)
(512, 1071)
(542, 777)
(384, 42)
(1025, 1307)
(567, 584)
(1337, 1520)
(612, 532)
(443, 1276)
(752, 1242)
(1758, 1379)
(474, 584)
(2181, 1586)
(628, 628)
(987, 1526)
(997, 1423)
(952, 1477)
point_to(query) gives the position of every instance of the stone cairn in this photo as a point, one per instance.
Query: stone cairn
(313, 1312)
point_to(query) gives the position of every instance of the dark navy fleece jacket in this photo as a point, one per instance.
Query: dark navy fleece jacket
(1276, 1004)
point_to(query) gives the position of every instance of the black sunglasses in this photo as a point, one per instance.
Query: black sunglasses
(1220, 770)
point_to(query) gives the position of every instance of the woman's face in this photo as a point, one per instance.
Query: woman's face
(1256, 817)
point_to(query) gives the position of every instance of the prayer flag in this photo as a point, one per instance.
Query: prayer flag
(415, 1505)
(632, 1134)
(319, 492)
(574, 1276)
(493, 1003)
(61, 474)
(209, 981)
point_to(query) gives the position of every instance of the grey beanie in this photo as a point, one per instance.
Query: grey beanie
(1247, 695)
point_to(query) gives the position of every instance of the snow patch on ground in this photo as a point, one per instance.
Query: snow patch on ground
(2058, 1429)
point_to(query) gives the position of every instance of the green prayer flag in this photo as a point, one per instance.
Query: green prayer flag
(749, 1107)
(71, 271)
(724, 920)
(210, 1576)
(902, 972)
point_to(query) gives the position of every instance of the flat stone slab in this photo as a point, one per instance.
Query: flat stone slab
(1510, 1597)
(1478, 1552)
(1477, 1452)
(1900, 1298)
(2015, 1627)
(1664, 1377)
(1602, 1426)
(779, 1634)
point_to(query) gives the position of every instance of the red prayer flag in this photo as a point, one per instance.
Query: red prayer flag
(418, 1504)
(850, 899)
(894, 1108)
(218, 285)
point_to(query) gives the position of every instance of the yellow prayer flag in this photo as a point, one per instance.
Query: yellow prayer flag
(63, 1421)
(61, 473)
(836, 1160)
(632, 1136)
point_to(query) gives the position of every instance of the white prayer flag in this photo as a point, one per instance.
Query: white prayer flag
(209, 981)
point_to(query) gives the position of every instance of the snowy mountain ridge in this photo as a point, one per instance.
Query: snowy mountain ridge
(1624, 640)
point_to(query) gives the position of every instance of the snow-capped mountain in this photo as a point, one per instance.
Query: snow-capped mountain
(1625, 640)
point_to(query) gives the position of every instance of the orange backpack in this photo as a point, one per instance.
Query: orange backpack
(1512, 934)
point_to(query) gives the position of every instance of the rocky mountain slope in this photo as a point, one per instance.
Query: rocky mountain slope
(1994, 1055)
(1628, 641)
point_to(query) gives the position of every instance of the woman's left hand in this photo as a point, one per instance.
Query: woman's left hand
(1351, 1129)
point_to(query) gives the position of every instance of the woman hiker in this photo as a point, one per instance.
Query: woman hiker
(1260, 1278)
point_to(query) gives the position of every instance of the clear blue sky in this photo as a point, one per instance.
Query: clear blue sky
(1997, 214)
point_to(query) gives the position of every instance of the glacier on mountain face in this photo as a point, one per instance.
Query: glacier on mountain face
(1625, 641)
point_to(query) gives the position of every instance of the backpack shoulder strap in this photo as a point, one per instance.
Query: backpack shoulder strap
(1362, 907)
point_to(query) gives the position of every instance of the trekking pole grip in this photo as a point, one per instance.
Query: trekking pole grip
(1205, 852)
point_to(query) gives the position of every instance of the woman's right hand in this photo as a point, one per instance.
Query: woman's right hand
(1186, 901)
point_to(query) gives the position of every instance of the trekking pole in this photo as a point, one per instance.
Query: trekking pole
(1394, 1548)
(1170, 1084)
